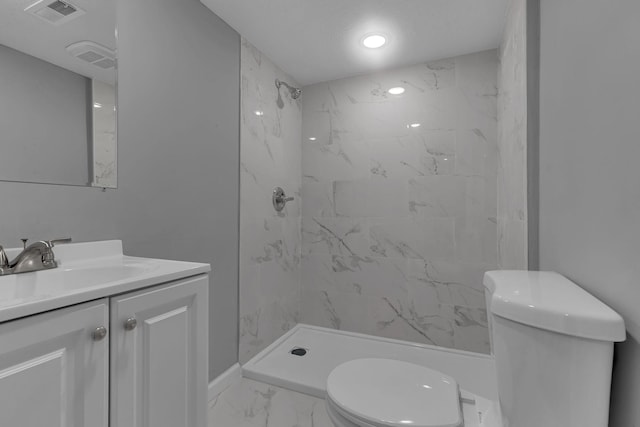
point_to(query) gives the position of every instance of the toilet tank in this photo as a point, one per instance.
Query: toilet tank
(553, 347)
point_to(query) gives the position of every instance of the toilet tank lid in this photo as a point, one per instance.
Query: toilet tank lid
(550, 301)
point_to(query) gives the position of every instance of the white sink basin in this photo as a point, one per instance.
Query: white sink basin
(48, 282)
(89, 276)
(86, 271)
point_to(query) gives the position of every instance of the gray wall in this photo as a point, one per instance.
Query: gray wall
(178, 157)
(589, 174)
(43, 121)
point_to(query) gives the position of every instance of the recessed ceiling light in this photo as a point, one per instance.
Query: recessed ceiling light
(259, 113)
(414, 125)
(313, 138)
(374, 41)
(97, 105)
(396, 90)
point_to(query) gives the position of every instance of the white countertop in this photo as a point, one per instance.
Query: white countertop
(86, 271)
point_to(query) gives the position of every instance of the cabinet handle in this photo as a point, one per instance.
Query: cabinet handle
(130, 324)
(99, 333)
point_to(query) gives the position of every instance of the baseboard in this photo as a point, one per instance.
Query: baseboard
(224, 380)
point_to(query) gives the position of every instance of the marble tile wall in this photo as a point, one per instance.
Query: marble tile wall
(399, 222)
(270, 156)
(512, 142)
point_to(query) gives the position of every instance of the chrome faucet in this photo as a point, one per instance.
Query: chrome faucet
(4, 262)
(35, 257)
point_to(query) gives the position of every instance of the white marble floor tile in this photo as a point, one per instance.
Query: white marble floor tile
(249, 403)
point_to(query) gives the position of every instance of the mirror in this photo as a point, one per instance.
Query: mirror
(58, 92)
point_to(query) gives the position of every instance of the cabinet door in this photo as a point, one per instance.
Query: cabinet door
(54, 369)
(159, 356)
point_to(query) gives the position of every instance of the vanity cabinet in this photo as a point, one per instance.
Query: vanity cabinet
(158, 355)
(132, 360)
(54, 368)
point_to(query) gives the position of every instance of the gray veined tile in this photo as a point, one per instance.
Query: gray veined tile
(476, 240)
(250, 403)
(481, 195)
(336, 236)
(372, 199)
(267, 324)
(439, 74)
(447, 283)
(369, 277)
(419, 79)
(341, 158)
(270, 243)
(339, 310)
(411, 155)
(470, 330)
(399, 223)
(425, 238)
(438, 196)
(316, 127)
(408, 319)
(352, 198)
(477, 72)
(476, 154)
(271, 239)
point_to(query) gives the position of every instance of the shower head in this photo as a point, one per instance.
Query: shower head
(293, 91)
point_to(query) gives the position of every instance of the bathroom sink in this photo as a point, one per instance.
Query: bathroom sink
(86, 271)
(61, 279)
(87, 276)
(94, 275)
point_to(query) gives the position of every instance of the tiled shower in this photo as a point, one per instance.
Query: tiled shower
(270, 242)
(396, 212)
(399, 211)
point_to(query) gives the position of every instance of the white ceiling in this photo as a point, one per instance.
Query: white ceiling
(319, 40)
(29, 34)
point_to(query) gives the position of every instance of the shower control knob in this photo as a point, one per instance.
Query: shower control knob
(130, 324)
(99, 333)
(280, 199)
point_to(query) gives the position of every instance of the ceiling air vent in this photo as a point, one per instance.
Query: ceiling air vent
(93, 53)
(55, 12)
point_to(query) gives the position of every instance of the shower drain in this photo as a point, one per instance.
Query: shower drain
(299, 351)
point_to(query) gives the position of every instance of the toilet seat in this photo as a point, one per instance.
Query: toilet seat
(391, 393)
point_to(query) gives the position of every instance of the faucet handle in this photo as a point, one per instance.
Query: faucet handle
(24, 243)
(54, 242)
(4, 261)
(50, 256)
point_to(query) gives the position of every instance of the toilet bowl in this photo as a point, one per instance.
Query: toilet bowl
(553, 348)
(389, 393)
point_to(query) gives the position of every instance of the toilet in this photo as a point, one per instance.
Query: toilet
(553, 348)
(382, 392)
